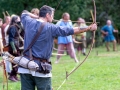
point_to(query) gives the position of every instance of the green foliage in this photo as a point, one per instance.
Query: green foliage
(106, 9)
(76, 8)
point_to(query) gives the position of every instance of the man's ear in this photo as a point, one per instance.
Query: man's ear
(47, 15)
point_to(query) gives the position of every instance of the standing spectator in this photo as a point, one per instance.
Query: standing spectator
(4, 29)
(5, 42)
(80, 37)
(42, 49)
(67, 41)
(107, 32)
(21, 34)
(13, 34)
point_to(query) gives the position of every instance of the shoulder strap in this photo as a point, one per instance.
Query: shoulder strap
(35, 38)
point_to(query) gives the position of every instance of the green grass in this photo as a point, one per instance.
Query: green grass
(99, 72)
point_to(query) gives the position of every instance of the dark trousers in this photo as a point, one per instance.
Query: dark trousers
(28, 82)
(14, 69)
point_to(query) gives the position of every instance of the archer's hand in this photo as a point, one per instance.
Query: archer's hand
(116, 31)
(82, 36)
(93, 27)
(15, 51)
(106, 33)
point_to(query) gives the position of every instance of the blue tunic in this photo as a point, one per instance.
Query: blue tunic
(110, 36)
(43, 46)
(66, 39)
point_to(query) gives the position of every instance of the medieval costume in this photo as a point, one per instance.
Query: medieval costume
(14, 38)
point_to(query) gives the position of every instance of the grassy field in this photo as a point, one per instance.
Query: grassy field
(99, 72)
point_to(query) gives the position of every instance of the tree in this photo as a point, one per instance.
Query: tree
(106, 9)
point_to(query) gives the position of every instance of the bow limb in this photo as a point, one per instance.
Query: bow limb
(94, 21)
(4, 69)
(2, 63)
(94, 11)
(58, 5)
(4, 76)
(74, 69)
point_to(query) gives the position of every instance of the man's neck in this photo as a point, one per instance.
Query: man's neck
(108, 25)
(65, 20)
(43, 19)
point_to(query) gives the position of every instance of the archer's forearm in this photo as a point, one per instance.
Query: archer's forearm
(30, 14)
(103, 32)
(13, 45)
(78, 30)
(92, 27)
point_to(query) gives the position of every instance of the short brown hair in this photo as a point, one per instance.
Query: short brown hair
(64, 14)
(35, 10)
(44, 10)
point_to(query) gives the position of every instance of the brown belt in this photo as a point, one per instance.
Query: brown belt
(36, 58)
